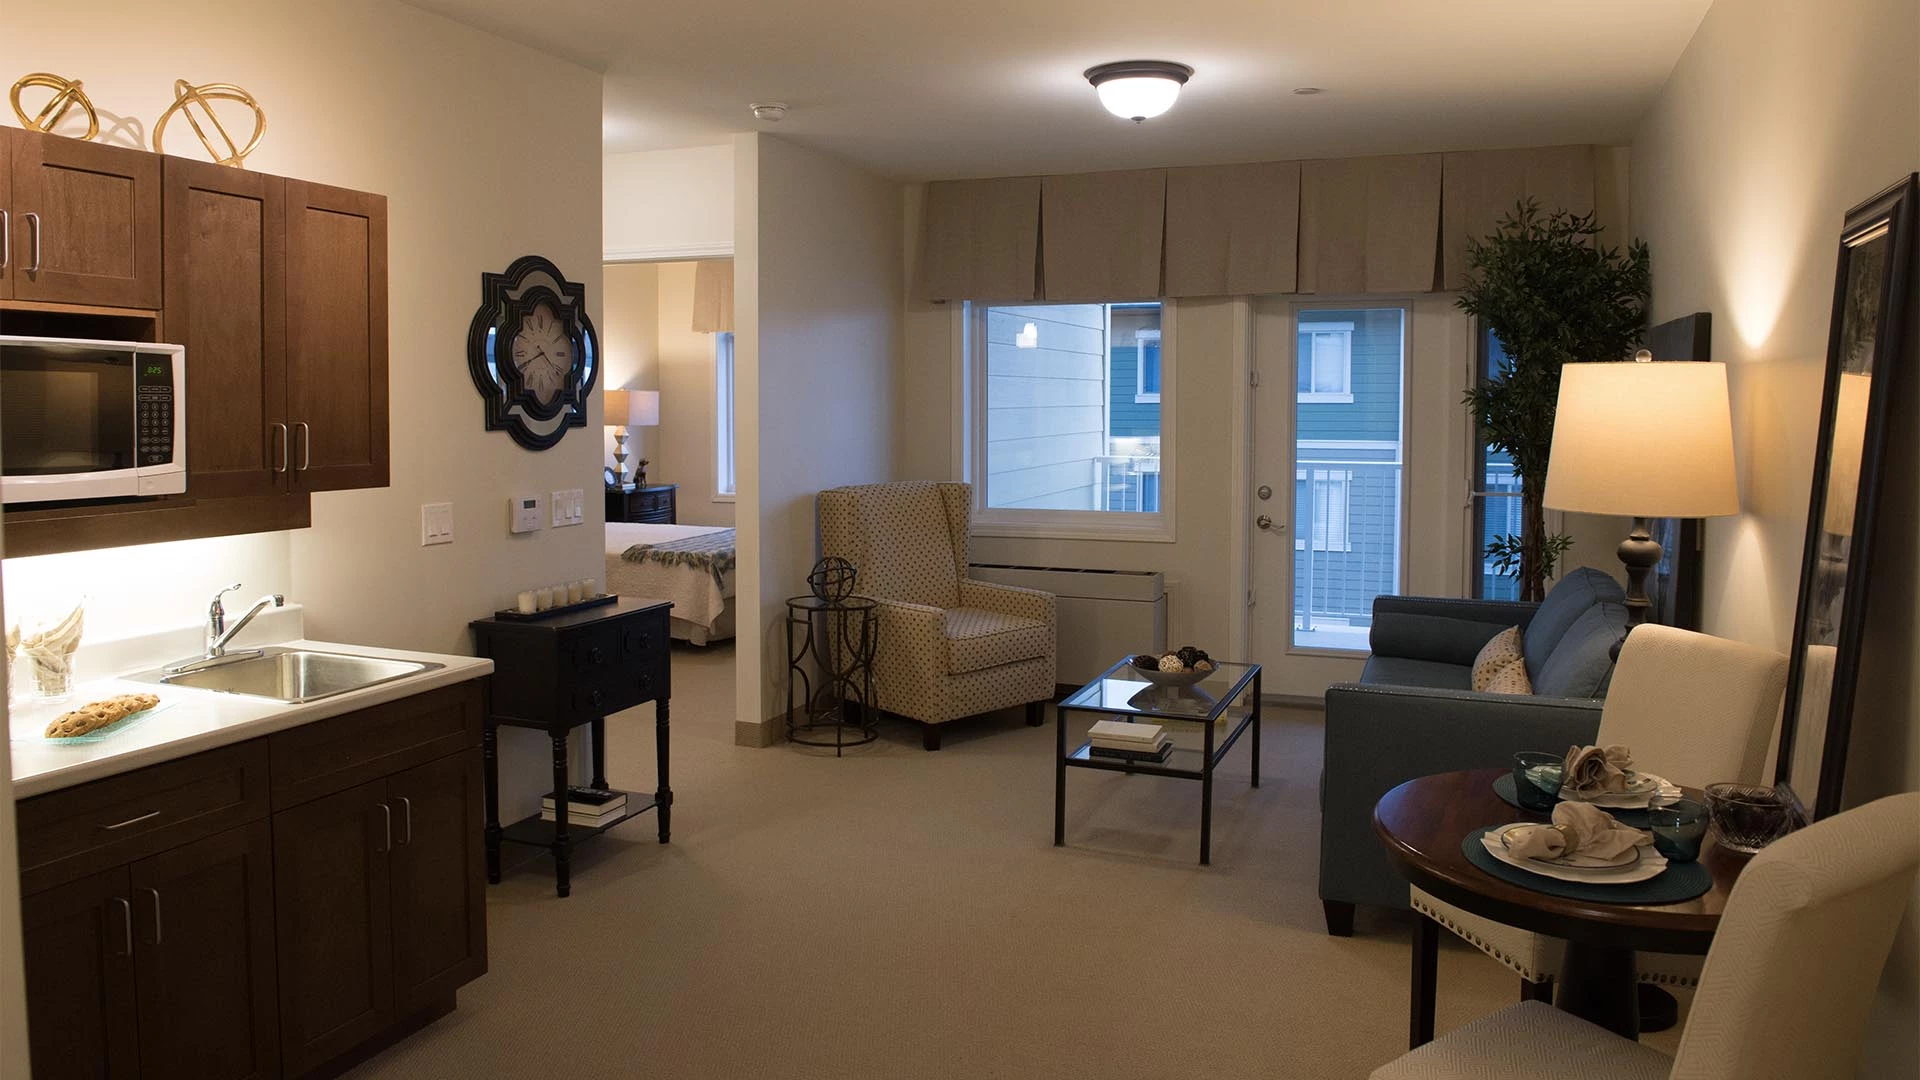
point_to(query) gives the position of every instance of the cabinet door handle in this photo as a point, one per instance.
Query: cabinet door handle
(6, 238)
(594, 655)
(406, 819)
(155, 893)
(386, 828)
(306, 445)
(286, 440)
(126, 924)
(33, 228)
(130, 821)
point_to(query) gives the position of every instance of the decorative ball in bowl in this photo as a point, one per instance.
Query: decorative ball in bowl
(1182, 667)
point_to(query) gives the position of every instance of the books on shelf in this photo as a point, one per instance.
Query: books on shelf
(1122, 732)
(1157, 756)
(587, 806)
(1118, 740)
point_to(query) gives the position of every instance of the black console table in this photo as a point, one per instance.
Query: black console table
(554, 675)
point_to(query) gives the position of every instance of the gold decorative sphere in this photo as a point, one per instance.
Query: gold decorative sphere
(187, 97)
(66, 95)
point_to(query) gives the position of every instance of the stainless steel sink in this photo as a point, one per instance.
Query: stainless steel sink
(293, 675)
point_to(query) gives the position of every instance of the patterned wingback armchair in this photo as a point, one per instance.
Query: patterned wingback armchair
(948, 647)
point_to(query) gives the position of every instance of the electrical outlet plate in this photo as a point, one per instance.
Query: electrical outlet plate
(524, 513)
(568, 508)
(436, 523)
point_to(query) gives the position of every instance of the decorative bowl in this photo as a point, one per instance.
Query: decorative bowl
(1169, 678)
(1747, 817)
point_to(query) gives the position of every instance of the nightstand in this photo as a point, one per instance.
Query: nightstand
(652, 504)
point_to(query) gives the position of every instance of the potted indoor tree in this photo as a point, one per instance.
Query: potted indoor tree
(1553, 295)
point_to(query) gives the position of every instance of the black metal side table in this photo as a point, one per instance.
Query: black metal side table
(839, 636)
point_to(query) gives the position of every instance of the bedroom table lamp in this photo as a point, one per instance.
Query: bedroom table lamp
(629, 409)
(1643, 440)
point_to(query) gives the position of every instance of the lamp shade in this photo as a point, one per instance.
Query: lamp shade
(1643, 439)
(633, 408)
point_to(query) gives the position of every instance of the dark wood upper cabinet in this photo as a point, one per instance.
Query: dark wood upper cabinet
(80, 984)
(336, 336)
(86, 222)
(205, 973)
(7, 261)
(331, 878)
(226, 301)
(438, 885)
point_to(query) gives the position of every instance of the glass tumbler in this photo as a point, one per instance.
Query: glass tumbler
(1678, 828)
(1536, 779)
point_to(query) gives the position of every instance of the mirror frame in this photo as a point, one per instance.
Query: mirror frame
(1893, 210)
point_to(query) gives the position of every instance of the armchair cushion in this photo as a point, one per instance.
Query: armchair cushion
(1583, 589)
(978, 639)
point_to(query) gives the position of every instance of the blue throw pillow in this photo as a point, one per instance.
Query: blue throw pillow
(1566, 602)
(1582, 664)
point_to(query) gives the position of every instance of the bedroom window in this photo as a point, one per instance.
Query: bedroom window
(1071, 426)
(723, 481)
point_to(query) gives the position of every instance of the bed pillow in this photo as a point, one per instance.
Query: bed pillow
(1501, 668)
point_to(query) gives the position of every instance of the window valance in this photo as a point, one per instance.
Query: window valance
(1334, 227)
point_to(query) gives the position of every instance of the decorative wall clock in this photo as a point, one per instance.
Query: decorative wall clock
(533, 352)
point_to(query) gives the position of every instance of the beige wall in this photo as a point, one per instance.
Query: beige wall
(1780, 116)
(669, 204)
(685, 439)
(630, 338)
(463, 199)
(818, 326)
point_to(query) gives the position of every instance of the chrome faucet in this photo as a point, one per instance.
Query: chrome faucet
(219, 633)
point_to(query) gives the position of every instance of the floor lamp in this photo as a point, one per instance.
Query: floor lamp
(1643, 440)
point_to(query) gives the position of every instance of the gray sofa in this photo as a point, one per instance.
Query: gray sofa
(1414, 713)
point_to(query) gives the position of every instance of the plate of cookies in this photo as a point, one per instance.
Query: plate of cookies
(103, 719)
(1184, 666)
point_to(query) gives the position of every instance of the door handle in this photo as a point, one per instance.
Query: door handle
(286, 439)
(126, 924)
(306, 445)
(155, 893)
(406, 819)
(386, 828)
(6, 238)
(130, 821)
(33, 227)
(1265, 521)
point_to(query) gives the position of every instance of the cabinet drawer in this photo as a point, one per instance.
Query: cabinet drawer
(65, 835)
(615, 666)
(345, 751)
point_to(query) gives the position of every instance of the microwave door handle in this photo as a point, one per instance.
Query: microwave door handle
(285, 438)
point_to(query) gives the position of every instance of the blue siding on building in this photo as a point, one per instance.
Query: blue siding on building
(1374, 412)
(1130, 418)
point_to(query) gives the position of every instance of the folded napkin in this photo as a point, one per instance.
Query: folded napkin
(1577, 828)
(1596, 770)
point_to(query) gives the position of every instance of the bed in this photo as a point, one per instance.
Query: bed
(691, 565)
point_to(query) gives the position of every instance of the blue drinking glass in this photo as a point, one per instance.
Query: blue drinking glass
(1536, 779)
(1678, 828)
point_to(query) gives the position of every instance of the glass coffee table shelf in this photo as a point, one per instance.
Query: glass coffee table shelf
(1222, 706)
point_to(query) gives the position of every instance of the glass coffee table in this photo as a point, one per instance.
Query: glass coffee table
(1232, 691)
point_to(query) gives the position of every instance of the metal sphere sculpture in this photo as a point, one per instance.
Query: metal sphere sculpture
(832, 579)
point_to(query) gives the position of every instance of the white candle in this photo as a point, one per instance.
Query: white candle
(525, 605)
(575, 592)
(542, 599)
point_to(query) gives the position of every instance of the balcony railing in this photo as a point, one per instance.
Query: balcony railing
(1346, 549)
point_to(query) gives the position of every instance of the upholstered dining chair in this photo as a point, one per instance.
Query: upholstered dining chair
(1787, 987)
(1693, 708)
(948, 646)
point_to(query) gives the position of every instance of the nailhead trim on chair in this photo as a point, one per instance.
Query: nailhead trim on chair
(1477, 943)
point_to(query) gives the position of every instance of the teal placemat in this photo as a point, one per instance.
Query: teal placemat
(1503, 787)
(1680, 881)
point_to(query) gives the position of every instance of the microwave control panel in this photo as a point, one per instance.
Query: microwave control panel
(154, 398)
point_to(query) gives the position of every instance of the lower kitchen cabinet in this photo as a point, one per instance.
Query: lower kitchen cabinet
(163, 940)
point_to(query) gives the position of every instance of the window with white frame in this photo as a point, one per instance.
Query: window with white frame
(1326, 362)
(723, 478)
(1326, 492)
(1068, 436)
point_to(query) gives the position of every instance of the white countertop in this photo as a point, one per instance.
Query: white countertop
(194, 720)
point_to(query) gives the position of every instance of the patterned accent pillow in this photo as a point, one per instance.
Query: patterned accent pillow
(1501, 668)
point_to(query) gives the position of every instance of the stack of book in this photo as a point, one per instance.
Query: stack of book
(1117, 740)
(588, 807)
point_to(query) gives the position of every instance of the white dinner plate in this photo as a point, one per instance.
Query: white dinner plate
(1654, 788)
(1576, 860)
(1650, 865)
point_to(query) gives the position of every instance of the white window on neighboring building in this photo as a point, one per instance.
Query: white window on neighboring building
(723, 478)
(1070, 410)
(1328, 509)
(1326, 362)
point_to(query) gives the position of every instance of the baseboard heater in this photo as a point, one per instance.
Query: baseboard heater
(1103, 614)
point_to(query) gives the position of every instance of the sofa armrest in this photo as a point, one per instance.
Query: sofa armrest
(1008, 600)
(1378, 737)
(1441, 630)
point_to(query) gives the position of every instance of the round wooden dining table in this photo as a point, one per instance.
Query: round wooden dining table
(1423, 822)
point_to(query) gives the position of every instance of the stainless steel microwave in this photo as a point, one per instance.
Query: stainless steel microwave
(91, 419)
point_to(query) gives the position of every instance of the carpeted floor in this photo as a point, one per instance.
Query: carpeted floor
(898, 914)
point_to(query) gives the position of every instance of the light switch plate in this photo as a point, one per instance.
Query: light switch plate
(436, 523)
(524, 513)
(567, 507)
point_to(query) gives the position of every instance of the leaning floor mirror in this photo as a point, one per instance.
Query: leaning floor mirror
(1866, 350)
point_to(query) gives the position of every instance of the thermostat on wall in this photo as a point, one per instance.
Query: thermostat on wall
(524, 512)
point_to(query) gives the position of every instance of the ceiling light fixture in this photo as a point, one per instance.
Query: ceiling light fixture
(1305, 91)
(771, 111)
(1136, 89)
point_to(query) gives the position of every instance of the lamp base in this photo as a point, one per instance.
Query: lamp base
(620, 455)
(1639, 553)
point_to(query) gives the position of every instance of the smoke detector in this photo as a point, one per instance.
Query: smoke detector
(770, 111)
